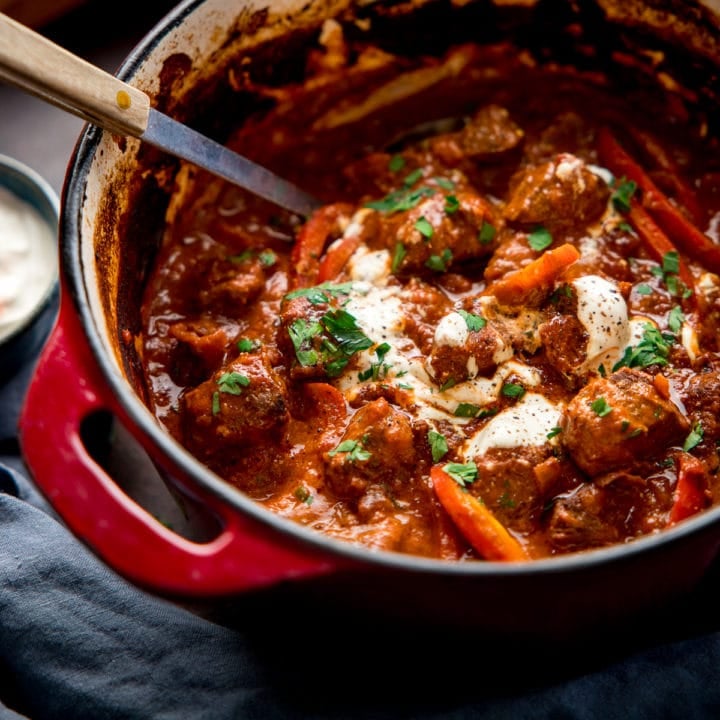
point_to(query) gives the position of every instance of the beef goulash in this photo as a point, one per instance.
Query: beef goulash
(498, 337)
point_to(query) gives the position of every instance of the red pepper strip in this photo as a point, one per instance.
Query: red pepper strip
(656, 241)
(669, 169)
(314, 235)
(687, 237)
(690, 497)
(336, 257)
(476, 523)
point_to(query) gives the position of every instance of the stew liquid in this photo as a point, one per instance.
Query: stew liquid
(497, 340)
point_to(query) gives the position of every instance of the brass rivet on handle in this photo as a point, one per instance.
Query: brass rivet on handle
(123, 99)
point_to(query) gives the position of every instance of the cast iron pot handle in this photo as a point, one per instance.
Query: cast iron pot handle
(66, 388)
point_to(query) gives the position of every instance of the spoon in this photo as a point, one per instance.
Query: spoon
(38, 66)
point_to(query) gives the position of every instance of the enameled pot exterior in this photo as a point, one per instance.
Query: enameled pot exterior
(84, 369)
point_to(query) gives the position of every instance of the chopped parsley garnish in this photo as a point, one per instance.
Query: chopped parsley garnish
(412, 177)
(423, 226)
(554, 432)
(354, 450)
(643, 289)
(694, 438)
(474, 322)
(246, 345)
(397, 163)
(452, 205)
(399, 200)
(445, 183)
(232, 383)
(438, 445)
(559, 293)
(486, 413)
(439, 263)
(321, 293)
(398, 256)
(462, 474)
(512, 390)
(267, 258)
(600, 407)
(302, 334)
(540, 239)
(377, 370)
(450, 382)
(215, 403)
(601, 370)
(667, 272)
(622, 194)
(241, 257)
(343, 327)
(671, 262)
(653, 349)
(486, 234)
(676, 318)
(333, 340)
(467, 410)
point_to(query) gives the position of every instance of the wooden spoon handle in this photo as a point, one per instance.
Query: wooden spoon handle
(35, 64)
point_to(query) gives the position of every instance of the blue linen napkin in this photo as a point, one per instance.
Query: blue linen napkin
(78, 642)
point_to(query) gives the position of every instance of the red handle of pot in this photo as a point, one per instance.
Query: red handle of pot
(67, 387)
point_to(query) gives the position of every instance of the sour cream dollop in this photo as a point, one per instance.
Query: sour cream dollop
(28, 263)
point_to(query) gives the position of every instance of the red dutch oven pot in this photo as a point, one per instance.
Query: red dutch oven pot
(113, 207)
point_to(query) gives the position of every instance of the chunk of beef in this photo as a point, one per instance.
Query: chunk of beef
(701, 396)
(232, 282)
(561, 194)
(612, 509)
(425, 305)
(240, 405)
(702, 393)
(202, 345)
(437, 232)
(567, 133)
(565, 341)
(488, 136)
(512, 253)
(615, 422)
(508, 486)
(378, 449)
(460, 353)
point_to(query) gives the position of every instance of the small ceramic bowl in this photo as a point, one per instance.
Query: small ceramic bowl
(29, 212)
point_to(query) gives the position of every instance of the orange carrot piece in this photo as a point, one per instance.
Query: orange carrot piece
(682, 232)
(536, 278)
(690, 497)
(476, 523)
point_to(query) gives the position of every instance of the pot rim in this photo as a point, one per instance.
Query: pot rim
(73, 277)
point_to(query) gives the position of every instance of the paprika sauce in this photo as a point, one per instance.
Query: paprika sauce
(497, 339)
